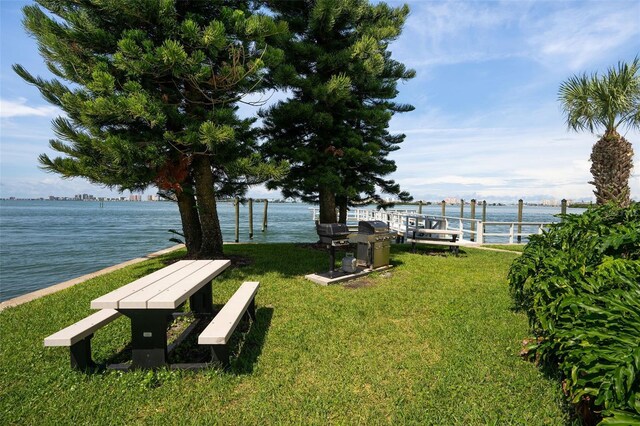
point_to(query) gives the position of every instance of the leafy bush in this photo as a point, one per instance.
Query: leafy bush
(579, 284)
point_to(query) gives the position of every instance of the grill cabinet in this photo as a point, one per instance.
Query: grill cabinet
(374, 243)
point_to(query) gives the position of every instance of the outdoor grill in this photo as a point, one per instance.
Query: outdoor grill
(374, 243)
(334, 235)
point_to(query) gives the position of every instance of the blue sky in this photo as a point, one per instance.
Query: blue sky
(487, 123)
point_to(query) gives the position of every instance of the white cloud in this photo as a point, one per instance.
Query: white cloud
(564, 35)
(442, 33)
(19, 108)
(578, 36)
(476, 181)
(42, 185)
(503, 163)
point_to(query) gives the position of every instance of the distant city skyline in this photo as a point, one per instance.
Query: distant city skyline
(487, 124)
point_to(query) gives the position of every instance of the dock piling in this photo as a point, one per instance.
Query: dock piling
(251, 218)
(520, 204)
(264, 217)
(236, 203)
(473, 216)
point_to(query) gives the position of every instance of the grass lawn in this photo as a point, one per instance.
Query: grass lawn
(433, 341)
(510, 247)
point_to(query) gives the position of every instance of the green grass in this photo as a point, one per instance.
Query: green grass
(510, 247)
(434, 341)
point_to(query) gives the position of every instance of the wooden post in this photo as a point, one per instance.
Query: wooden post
(563, 206)
(473, 216)
(444, 204)
(461, 208)
(236, 203)
(251, 218)
(520, 203)
(264, 217)
(481, 224)
(420, 207)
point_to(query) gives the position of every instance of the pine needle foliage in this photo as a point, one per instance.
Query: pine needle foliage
(149, 91)
(333, 129)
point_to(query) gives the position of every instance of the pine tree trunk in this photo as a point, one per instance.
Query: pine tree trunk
(611, 165)
(327, 206)
(190, 220)
(211, 246)
(342, 209)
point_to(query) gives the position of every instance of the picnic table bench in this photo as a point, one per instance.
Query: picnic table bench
(219, 330)
(446, 237)
(149, 303)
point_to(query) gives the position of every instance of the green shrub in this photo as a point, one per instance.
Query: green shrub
(579, 284)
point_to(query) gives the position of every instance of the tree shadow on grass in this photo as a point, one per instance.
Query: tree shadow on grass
(290, 260)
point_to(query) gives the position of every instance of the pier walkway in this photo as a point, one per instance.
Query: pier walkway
(473, 231)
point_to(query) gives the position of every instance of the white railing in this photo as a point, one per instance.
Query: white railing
(473, 230)
(515, 230)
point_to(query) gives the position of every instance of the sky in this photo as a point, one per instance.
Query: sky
(487, 123)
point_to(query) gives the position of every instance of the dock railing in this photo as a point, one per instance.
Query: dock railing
(473, 230)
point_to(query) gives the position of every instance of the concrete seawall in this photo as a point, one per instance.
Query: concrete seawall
(57, 287)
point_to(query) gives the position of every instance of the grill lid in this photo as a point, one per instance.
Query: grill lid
(334, 230)
(372, 227)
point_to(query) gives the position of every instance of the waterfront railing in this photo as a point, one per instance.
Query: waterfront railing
(474, 231)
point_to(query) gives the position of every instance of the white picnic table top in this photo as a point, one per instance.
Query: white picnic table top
(166, 288)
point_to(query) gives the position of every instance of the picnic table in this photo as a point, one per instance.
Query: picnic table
(149, 303)
(434, 236)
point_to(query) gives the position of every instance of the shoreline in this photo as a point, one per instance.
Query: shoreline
(70, 283)
(19, 300)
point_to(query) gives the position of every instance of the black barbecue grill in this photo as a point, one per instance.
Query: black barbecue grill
(333, 235)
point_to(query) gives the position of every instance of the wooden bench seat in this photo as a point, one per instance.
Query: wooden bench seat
(78, 337)
(220, 329)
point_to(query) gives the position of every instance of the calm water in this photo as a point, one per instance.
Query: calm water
(46, 242)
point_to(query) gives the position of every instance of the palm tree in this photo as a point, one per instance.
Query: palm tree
(605, 103)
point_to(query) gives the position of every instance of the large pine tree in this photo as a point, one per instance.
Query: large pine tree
(149, 89)
(333, 129)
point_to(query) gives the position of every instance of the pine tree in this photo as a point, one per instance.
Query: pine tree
(149, 89)
(333, 129)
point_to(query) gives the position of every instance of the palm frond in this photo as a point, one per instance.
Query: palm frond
(592, 102)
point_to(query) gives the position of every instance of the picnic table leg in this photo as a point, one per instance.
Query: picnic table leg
(148, 337)
(252, 309)
(221, 354)
(202, 301)
(81, 354)
(455, 249)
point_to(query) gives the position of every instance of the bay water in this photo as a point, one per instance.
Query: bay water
(46, 242)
